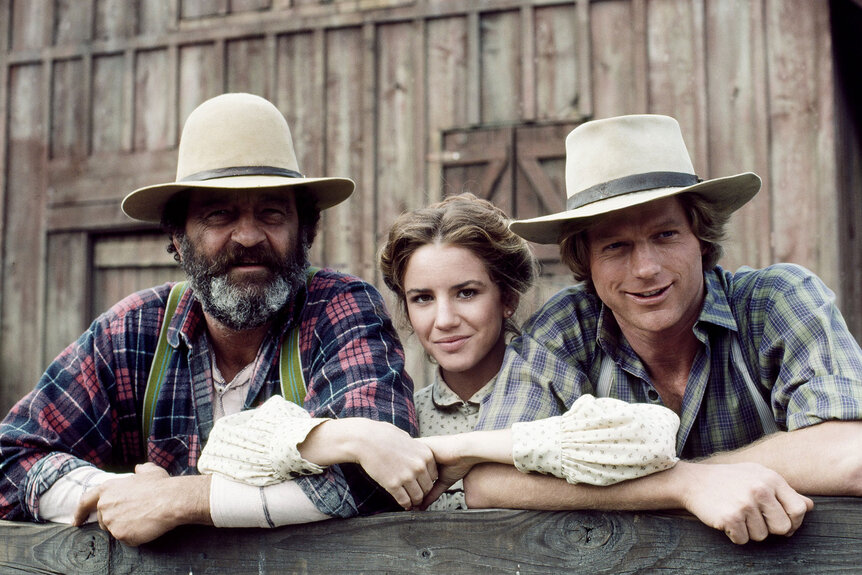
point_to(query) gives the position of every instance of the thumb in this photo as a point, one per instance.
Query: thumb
(86, 505)
(149, 467)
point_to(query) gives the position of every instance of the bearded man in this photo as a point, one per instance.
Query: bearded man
(140, 390)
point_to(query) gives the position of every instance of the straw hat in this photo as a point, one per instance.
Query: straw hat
(235, 141)
(617, 163)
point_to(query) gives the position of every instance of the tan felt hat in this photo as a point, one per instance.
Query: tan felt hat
(239, 141)
(617, 163)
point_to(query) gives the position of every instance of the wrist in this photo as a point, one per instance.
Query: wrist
(493, 446)
(681, 481)
(189, 501)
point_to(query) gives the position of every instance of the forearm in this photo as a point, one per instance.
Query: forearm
(823, 459)
(235, 504)
(503, 486)
(190, 495)
(336, 441)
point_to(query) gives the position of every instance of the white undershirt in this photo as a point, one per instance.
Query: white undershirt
(232, 504)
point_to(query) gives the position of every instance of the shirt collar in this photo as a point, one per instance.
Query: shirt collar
(443, 396)
(716, 309)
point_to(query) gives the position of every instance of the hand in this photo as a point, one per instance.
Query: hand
(401, 465)
(451, 467)
(745, 500)
(141, 507)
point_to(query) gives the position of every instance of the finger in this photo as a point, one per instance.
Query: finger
(431, 466)
(88, 502)
(433, 495)
(414, 492)
(399, 494)
(737, 530)
(426, 480)
(795, 506)
(756, 524)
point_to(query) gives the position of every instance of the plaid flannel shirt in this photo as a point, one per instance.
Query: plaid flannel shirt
(86, 408)
(796, 345)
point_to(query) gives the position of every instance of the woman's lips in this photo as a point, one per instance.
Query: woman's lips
(451, 344)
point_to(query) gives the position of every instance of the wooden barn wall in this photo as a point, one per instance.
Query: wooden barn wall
(94, 93)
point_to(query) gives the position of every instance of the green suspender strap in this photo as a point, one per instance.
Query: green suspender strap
(290, 362)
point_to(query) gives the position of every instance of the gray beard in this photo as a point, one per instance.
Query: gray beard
(248, 305)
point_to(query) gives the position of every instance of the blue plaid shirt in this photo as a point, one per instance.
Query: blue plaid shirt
(796, 346)
(86, 408)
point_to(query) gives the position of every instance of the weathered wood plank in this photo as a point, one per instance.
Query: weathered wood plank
(30, 24)
(349, 145)
(247, 66)
(115, 19)
(500, 73)
(800, 117)
(106, 177)
(152, 123)
(557, 64)
(68, 105)
(22, 234)
(674, 79)
(614, 42)
(67, 303)
(201, 76)
(736, 88)
(73, 21)
(493, 541)
(395, 128)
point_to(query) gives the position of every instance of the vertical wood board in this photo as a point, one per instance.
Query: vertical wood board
(22, 337)
(557, 65)
(347, 140)
(804, 210)
(612, 41)
(738, 138)
(67, 302)
(500, 63)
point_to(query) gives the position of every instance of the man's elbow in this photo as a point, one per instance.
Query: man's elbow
(851, 461)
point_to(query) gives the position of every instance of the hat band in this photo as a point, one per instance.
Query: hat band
(242, 171)
(629, 184)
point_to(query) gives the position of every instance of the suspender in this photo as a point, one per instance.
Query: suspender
(290, 360)
(767, 420)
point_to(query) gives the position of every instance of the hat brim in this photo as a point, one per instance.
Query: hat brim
(146, 204)
(728, 194)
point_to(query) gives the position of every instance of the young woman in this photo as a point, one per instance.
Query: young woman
(459, 273)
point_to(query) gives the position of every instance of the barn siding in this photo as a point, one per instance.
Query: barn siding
(94, 93)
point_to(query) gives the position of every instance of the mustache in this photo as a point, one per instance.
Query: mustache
(236, 254)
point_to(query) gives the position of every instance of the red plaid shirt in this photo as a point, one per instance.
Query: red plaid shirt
(86, 408)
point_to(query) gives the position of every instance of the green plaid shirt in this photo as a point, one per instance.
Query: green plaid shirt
(797, 350)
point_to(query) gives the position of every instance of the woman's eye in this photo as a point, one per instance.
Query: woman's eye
(420, 299)
(467, 293)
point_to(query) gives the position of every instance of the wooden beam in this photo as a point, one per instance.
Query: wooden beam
(492, 541)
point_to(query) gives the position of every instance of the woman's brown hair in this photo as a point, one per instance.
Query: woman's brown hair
(469, 222)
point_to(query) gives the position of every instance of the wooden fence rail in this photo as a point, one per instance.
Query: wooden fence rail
(492, 541)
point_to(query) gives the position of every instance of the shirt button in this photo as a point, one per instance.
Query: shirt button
(652, 395)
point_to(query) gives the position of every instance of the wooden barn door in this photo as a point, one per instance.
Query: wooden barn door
(521, 169)
(124, 264)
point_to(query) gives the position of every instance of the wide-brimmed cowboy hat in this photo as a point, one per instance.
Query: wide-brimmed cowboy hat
(621, 162)
(238, 141)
